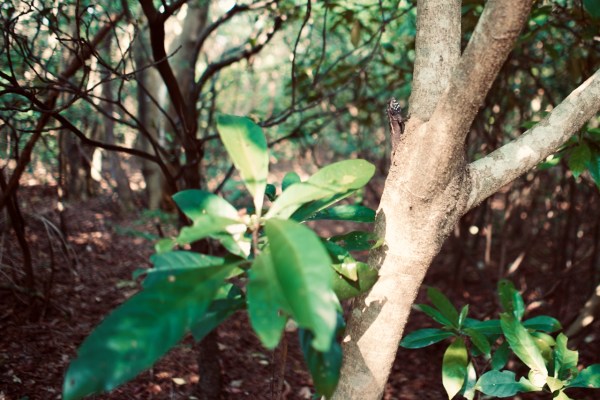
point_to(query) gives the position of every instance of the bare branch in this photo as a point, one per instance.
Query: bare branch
(502, 166)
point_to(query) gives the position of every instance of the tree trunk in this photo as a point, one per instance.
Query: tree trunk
(429, 186)
(117, 172)
(150, 116)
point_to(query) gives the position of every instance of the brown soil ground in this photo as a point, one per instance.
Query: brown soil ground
(37, 343)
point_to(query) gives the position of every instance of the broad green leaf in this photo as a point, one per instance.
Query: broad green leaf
(529, 124)
(454, 367)
(503, 384)
(289, 179)
(305, 278)
(227, 301)
(331, 181)
(442, 303)
(506, 290)
(270, 192)
(358, 241)
(554, 384)
(588, 378)
(424, 338)
(468, 389)
(564, 359)
(489, 327)
(345, 288)
(543, 323)
(164, 245)
(579, 159)
(544, 348)
(348, 270)
(174, 263)
(337, 253)
(195, 203)
(593, 8)
(518, 305)
(247, 147)
(479, 340)
(522, 344)
(141, 331)
(549, 340)
(324, 367)
(346, 213)
(463, 315)
(470, 322)
(307, 210)
(435, 314)
(207, 225)
(501, 356)
(594, 132)
(265, 301)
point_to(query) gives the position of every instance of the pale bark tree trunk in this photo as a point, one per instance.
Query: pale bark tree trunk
(429, 186)
(123, 189)
(150, 116)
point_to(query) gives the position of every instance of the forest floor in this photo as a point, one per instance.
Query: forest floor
(109, 244)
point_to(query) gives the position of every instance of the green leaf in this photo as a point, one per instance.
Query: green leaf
(489, 327)
(506, 290)
(346, 213)
(388, 47)
(561, 396)
(307, 210)
(544, 348)
(501, 356)
(549, 340)
(554, 384)
(208, 225)
(594, 164)
(442, 303)
(523, 344)
(345, 288)
(593, 8)
(529, 124)
(338, 254)
(174, 263)
(196, 203)
(348, 270)
(540, 15)
(454, 367)
(270, 192)
(237, 244)
(479, 340)
(594, 132)
(463, 316)
(564, 359)
(247, 147)
(554, 160)
(305, 278)
(435, 314)
(357, 241)
(588, 378)
(164, 245)
(265, 301)
(141, 331)
(518, 305)
(324, 367)
(289, 179)
(543, 323)
(424, 338)
(227, 301)
(332, 180)
(579, 159)
(468, 389)
(503, 384)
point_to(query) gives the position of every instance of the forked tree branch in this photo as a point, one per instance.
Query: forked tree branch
(493, 38)
(502, 166)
